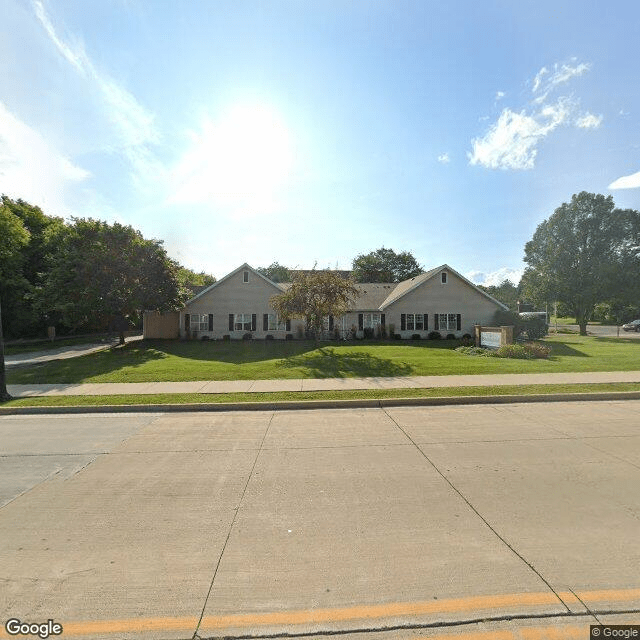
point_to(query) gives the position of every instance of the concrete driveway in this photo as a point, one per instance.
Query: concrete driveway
(61, 353)
(256, 524)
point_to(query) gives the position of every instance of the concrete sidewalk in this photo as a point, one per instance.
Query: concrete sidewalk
(317, 384)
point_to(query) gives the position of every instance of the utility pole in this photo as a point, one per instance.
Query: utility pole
(4, 394)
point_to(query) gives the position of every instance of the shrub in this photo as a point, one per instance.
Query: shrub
(450, 336)
(434, 335)
(299, 333)
(415, 336)
(368, 333)
(518, 351)
(477, 351)
(247, 336)
(289, 336)
(392, 331)
(336, 333)
(535, 328)
(268, 337)
(226, 337)
(468, 341)
(537, 350)
(205, 338)
(397, 336)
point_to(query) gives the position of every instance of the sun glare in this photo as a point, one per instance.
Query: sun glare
(242, 158)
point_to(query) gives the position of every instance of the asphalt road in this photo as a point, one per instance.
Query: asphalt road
(510, 521)
(601, 331)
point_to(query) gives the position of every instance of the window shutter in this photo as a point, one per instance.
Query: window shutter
(426, 322)
(288, 325)
(382, 319)
(403, 322)
(458, 322)
(436, 321)
(231, 322)
(253, 321)
(265, 322)
(211, 322)
(187, 322)
(330, 323)
(360, 321)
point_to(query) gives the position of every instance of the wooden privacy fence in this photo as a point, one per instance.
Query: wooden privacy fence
(156, 324)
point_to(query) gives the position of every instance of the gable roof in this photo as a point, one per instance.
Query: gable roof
(407, 286)
(373, 295)
(242, 267)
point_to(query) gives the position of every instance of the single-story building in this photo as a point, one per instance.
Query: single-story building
(439, 300)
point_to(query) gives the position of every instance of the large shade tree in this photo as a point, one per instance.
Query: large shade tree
(103, 275)
(314, 295)
(385, 265)
(585, 253)
(29, 239)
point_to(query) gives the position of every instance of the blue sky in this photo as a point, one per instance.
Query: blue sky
(310, 132)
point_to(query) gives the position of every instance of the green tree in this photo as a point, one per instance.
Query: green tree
(21, 275)
(103, 276)
(506, 292)
(276, 272)
(579, 255)
(187, 278)
(385, 265)
(14, 238)
(314, 295)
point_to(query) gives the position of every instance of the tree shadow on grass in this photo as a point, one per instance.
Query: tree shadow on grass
(326, 363)
(79, 369)
(564, 349)
(233, 351)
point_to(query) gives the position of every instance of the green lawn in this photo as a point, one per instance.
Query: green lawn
(150, 361)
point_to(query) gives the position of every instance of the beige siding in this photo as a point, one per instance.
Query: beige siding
(235, 296)
(432, 297)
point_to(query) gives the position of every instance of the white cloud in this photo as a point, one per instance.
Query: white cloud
(500, 95)
(31, 169)
(133, 126)
(627, 182)
(494, 278)
(444, 158)
(545, 80)
(589, 121)
(511, 143)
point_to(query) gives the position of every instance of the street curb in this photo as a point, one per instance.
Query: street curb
(289, 405)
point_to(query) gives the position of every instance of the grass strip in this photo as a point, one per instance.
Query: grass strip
(200, 398)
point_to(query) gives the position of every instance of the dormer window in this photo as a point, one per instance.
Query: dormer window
(443, 277)
(245, 276)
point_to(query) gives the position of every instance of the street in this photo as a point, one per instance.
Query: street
(380, 522)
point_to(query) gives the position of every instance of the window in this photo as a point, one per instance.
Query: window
(415, 322)
(370, 320)
(443, 277)
(199, 322)
(448, 321)
(242, 322)
(245, 276)
(275, 324)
